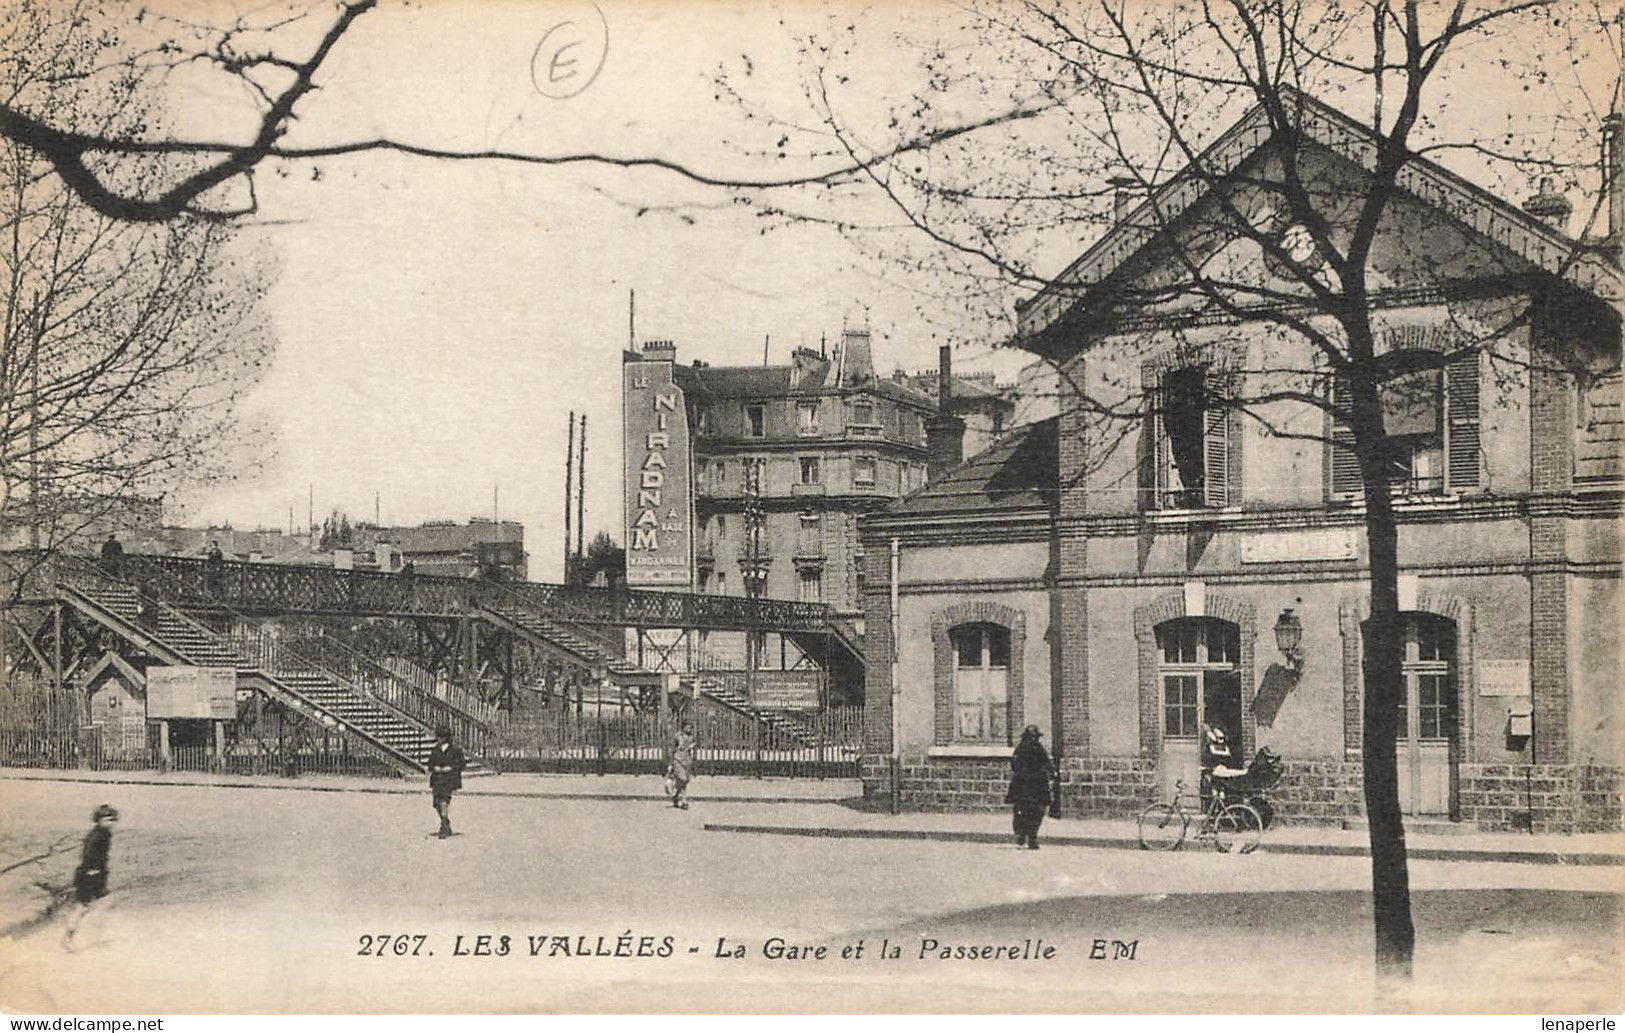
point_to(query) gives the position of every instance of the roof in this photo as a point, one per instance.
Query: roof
(1017, 473)
(1490, 216)
(716, 382)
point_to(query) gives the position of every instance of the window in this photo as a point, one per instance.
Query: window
(1192, 441)
(863, 412)
(809, 470)
(702, 421)
(810, 586)
(1431, 421)
(720, 586)
(807, 418)
(721, 524)
(1200, 675)
(981, 682)
(811, 539)
(756, 421)
(863, 471)
(705, 580)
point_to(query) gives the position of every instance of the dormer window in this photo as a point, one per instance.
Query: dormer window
(807, 418)
(756, 421)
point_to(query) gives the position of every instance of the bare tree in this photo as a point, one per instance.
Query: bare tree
(126, 346)
(1261, 258)
(280, 59)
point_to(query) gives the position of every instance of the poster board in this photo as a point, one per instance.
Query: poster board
(197, 693)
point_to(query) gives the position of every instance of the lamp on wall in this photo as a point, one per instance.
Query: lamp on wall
(1288, 636)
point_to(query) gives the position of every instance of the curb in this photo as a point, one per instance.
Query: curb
(415, 789)
(1553, 857)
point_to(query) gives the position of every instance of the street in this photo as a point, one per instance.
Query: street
(232, 900)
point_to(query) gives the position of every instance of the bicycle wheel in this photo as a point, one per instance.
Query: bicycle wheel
(1162, 827)
(1238, 827)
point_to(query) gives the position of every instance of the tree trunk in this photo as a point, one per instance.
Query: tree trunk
(1383, 684)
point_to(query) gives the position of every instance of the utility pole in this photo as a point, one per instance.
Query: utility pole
(581, 492)
(755, 576)
(569, 471)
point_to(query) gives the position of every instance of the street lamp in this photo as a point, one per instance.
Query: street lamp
(1288, 636)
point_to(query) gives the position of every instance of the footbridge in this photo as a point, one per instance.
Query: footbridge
(383, 658)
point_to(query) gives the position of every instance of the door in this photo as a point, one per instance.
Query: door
(1200, 679)
(1427, 718)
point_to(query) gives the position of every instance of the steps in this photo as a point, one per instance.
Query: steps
(774, 720)
(174, 639)
(560, 636)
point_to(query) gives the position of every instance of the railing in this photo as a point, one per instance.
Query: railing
(272, 657)
(266, 588)
(323, 655)
(827, 744)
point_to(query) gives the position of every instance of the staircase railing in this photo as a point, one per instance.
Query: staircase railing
(326, 656)
(259, 646)
(84, 578)
(550, 607)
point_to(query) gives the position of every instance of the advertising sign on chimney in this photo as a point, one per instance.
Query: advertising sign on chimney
(659, 496)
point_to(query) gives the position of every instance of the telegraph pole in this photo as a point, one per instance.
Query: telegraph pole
(569, 470)
(581, 492)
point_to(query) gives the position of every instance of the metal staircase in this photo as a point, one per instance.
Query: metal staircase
(552, 633)
(318, 695)
(777, 721)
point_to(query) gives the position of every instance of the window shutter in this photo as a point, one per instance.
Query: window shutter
(1159, 442)
(1345, 464)
(1215, 458)
(1461, 423)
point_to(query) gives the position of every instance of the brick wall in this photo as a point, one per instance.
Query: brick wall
(1551, 444)
(1566, 797)
(1555, 797)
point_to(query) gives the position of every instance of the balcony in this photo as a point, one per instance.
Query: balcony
(800, 490)
(865, 430)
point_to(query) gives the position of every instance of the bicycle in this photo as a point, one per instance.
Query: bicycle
(1231, 826)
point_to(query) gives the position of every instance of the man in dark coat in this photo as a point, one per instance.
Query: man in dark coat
(1029, 795)
(112, 555)
(446, 763)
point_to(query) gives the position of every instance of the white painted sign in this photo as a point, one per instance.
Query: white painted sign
(1503, 677)
(1327, 543)
(201, 693)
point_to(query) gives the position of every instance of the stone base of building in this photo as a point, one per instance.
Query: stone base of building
(1563, 798)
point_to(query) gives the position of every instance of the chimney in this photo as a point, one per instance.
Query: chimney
(944, 432)
(1613, 170)
(857, 361)
(1549, 206)
(1122, 195)
(657, 350)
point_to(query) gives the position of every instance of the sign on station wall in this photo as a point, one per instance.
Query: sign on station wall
(201, 693)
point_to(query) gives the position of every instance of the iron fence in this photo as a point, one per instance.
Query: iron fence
(823, 744)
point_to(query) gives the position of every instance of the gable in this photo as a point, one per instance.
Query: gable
(1437, 228)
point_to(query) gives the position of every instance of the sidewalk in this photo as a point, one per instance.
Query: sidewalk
(823, 815)
(1594, 849)
(715, 789)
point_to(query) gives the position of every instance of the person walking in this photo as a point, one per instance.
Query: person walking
(680, 770)
(1029, 793)
(446, 763)
(90, 878)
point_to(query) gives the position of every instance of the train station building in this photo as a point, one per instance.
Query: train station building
(1119, 584)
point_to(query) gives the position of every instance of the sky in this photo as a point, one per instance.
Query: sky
(437, 322)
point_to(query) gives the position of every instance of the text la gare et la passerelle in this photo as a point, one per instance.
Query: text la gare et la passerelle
(632, 945)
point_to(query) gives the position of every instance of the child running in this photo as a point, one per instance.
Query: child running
(90, 878)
